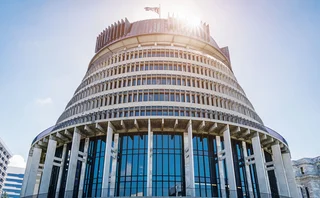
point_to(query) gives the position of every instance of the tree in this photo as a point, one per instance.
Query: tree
(4, 195)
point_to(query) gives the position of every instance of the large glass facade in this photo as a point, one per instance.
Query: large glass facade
(168, 164)
(206, 168)
(94, 168)
(239, 169)
(131, 179)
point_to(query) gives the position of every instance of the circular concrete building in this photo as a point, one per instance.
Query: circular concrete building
(159, 113)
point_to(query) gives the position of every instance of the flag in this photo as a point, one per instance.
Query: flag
(154, 9)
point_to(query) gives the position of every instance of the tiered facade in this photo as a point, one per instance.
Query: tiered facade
(159, 113)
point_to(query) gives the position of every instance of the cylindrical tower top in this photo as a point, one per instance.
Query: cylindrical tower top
(173, 26)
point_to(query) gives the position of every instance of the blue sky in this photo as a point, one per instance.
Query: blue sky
(45, 48)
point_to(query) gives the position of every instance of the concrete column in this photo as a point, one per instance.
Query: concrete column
(279, 170)
(188, 160)
(149, 158)
(64, 150)
(260, 165)
(48, 164)
(73, 163)
(221, 168)
(114, 164)
(248, 174)
(26, 174)
(229, 162)
(33, 171)
(290, 175)
(83, 167)
(267, 176)
(107, 155)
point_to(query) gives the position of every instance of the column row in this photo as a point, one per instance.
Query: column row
(232, 156)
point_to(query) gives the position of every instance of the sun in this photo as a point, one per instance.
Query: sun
(193, 21)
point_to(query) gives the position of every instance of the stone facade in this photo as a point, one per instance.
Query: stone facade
(307, 172)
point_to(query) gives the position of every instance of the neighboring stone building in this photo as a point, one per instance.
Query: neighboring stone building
(13, 182)
(5, 155)
(307, 172)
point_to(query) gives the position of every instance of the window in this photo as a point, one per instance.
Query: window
(140, 97)
(94, 167)
(301, 170)
(168, 167)
(307, 192)
(132, 166)
(301, 190)
(206, 169)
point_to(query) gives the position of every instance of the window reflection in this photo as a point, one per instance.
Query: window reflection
(131, 179)
(168, 164)
(206, 170)
(94, 168)
(239, 168)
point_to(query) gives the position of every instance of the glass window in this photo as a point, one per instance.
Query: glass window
(239, 166)
(135, 97)
(145, 97)
(172, 97)
(140, 97)
(166, 97)
(188, 98)
(182, 98)
(161, 97)
(94, 167)
(167, 172)
(131, 179)
(206, 166)
(154, 81)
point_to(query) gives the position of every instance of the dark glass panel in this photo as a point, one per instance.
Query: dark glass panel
(94, 167)
(206, 171)
(131, 170)
(168, 161)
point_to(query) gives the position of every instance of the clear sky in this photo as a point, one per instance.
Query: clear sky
(45, 48)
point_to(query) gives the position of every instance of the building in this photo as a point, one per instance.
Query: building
(307, 171)
(13, 182)
(5, 155)
(159, 112)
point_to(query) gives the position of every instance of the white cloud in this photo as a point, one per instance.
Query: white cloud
(44, 101)
(17, 161)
